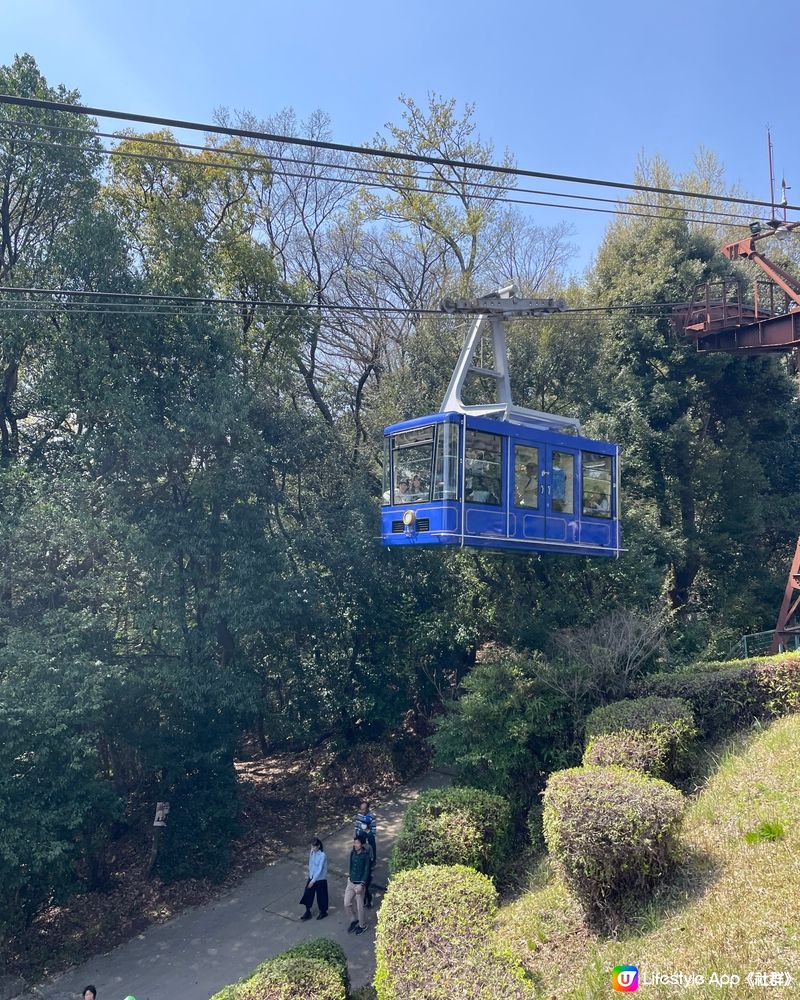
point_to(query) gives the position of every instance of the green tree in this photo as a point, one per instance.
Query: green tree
(40, 189)
(508, 730)
(701, 433)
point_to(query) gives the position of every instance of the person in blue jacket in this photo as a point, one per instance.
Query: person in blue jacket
(367, 823)
(317, 883)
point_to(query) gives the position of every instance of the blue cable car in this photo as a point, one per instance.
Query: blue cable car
(498, 476)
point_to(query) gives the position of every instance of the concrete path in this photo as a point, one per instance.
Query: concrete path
(197, 953)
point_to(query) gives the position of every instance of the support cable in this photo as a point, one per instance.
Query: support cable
(79, 109)
(352, 168)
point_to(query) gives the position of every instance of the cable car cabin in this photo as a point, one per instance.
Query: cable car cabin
(458, 479)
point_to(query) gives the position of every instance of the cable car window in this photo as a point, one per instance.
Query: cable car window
(562, 489)
(483, 469)
(596, 493)
(412, 457)
(387, 469)
(445, 477)
(526, 476)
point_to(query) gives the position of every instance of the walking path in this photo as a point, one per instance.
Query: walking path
(197, 953)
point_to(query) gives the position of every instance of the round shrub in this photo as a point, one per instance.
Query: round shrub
(435, 939)
(455, 826)
(666, 723)
(645, 752)
(288, 978)
(323, 950)
(316, 968)
(611, 833)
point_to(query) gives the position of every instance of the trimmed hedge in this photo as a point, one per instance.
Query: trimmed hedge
(434, 939)
(721, 699)
(611, 833)
(455, 826)
(316, 968)
(643, 752)
(725, 696)
(666, 725)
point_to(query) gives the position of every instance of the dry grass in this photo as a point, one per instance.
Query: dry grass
(733, 908)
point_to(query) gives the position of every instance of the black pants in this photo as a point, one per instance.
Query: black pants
(367, 891)
(319, 888)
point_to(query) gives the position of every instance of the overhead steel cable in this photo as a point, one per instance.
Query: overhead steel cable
(79, 109)
(323, 164)
(209, 299)
(657, 212)
(31, 309)
(108, 299)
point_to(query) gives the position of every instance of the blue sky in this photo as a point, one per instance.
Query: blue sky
(575, 88)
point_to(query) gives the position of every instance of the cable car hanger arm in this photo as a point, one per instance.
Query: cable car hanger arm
(498, 307)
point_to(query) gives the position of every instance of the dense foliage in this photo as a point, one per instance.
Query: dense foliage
(435, 939)
(456, 826)
(726, 696)
(507, 730)
(639, 751)
(612, 834)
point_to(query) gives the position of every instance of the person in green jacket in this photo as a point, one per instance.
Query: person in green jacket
(360, 861)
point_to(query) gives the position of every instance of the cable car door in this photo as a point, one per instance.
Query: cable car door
(561, 501)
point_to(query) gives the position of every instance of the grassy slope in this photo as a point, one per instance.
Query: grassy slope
(734, 906)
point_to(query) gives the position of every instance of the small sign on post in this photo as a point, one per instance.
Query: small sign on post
(162, 808)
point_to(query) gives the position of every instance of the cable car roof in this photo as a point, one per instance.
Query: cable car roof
(507, 429)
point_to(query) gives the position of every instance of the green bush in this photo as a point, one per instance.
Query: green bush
(435, 939)
(644, 752)
(533, 822)
(667, 724)
(611, 833)
(777, 681)
(316, 968)
(54, 807)
(725, 696)
(721, 700)
(455, 826)
(507, 731)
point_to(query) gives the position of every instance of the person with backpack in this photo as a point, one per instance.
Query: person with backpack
(366, 823)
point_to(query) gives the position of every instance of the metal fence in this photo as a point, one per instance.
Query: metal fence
(758, 644)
